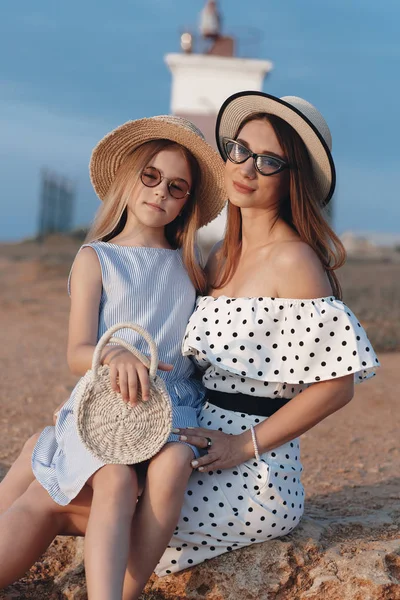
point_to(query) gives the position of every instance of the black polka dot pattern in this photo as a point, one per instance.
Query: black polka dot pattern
(278, 342)
(232, 508)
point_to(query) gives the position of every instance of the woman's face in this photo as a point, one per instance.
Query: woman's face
(156, 206)
(246, 187)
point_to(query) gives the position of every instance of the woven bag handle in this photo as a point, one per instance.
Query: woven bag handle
(109, 336)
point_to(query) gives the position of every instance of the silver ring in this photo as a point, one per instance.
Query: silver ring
(209, 442)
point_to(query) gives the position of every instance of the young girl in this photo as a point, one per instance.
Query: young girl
(160, 181)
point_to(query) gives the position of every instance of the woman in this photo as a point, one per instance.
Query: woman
(279, 349)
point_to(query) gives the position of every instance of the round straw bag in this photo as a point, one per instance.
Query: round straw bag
(112, 430)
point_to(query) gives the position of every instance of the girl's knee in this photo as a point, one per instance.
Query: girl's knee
(176, 452)
(173, 458)
(119, 479)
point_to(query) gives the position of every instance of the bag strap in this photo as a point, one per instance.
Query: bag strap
(108, 336)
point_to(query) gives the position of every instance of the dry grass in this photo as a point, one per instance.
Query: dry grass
(372, 291)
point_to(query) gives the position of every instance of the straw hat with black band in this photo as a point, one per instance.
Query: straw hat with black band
(305, 119)
(110, 152)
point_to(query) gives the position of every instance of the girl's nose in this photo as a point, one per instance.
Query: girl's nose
(161, 190)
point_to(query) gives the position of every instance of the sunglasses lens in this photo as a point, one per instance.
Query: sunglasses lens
(178, 188)
(268, 165)
(236, 152)
(150, 176)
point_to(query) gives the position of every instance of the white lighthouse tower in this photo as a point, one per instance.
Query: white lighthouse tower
(202, 80)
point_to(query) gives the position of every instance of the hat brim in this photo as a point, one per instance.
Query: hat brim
(110, 152)
(244, 104)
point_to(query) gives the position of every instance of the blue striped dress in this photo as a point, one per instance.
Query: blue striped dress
(151, 287)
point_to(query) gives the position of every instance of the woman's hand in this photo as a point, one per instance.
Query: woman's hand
(223, 450)
(127, 372)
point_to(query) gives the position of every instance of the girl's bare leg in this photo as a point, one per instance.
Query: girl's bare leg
(157, 514)
(27, 528)
(45, 519)
(31, 524)
(19, 476)
(108, 531)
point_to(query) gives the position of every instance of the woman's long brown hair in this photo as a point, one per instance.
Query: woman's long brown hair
(180, 233)
(301, 209)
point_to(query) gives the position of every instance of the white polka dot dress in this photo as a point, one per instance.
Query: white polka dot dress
(272, 348)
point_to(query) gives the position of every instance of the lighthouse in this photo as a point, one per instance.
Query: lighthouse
(204, 74)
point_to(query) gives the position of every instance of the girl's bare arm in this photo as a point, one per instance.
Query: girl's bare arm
(86, 287)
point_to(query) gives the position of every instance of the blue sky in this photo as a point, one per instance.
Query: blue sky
(72, 71)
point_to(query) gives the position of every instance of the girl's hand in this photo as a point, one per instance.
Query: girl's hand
(127, 372)
(226, 450)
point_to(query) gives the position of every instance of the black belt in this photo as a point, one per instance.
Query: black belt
(251, 405)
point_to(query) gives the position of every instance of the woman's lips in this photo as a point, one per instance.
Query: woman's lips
(243, 189)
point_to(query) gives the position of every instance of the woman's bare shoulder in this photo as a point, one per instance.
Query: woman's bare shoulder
(298, 270)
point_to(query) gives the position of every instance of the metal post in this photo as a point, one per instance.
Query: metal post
(57, 196)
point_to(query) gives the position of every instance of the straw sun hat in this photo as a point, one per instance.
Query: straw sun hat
(119, 143)
(300, 114)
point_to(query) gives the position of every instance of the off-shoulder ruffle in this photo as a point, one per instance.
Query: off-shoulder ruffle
(280, 340)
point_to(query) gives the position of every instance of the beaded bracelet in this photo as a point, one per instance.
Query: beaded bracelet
(253, 435)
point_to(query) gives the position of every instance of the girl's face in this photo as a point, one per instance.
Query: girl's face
(156, 206)
(246, 187)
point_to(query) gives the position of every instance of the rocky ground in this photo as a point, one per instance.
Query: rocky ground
(348, 545)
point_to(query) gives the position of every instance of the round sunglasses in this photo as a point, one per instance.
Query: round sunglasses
(178, 188)
(265, 164)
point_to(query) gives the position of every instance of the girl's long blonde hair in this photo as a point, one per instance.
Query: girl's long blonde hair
(301, 209)
(180, 233)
